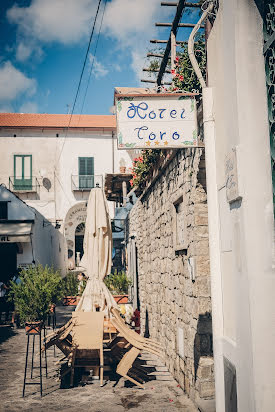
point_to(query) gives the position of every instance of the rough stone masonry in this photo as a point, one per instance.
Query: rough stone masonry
(169, 224)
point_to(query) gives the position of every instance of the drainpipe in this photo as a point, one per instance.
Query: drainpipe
(213, 218)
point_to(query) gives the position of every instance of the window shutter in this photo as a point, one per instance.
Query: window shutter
(90, 165)
(82, 166)
(86, 172)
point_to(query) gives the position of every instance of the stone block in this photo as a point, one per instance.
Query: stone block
(207, 389)
(201, 219)
(202, 248)
(202, 266)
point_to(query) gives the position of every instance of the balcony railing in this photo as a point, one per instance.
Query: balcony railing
(86, 182)
(27, 184)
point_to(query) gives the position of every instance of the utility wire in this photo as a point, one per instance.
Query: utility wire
(80, 79)
(92, 65)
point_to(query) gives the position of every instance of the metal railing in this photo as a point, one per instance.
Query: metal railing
(86, 182)
(26, 184)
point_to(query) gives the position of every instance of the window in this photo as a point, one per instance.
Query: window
(3, 210)
(86, 172)
(23, 172)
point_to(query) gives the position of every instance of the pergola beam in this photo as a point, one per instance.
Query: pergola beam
(178, 43)
(179, 25)
(146, 69)
(174, 30)
(154, 81)
(166, 3)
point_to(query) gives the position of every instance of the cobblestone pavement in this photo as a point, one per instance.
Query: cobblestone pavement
(161, 394)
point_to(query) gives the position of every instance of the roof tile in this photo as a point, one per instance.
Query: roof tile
(57, 120)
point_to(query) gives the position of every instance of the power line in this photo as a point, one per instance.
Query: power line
(80, 79)
(92, 65)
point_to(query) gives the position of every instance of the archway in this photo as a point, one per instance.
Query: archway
(76, 217)
(79, 237)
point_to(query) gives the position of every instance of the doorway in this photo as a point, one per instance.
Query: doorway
(79, 237)
(8, 259)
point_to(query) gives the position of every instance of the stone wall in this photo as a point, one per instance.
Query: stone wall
(169, 222)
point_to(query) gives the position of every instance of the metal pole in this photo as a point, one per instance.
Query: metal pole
(26, 365)
(46, 365)
(33, 340)
(40, 364)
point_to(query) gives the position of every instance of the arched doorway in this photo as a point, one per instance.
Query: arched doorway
(79, 237)
(74, 232)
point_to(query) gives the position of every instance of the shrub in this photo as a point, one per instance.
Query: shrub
(118, 283)
(37, 289)
(70, 284)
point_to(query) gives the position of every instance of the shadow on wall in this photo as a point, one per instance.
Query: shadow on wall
(203, 342)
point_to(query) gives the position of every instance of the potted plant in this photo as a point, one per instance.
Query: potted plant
(70, 287)
(38, 288)
(118, 284)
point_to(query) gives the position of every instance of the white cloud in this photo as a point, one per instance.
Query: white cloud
(13, 83)
(29, 107)
(123, 18)
(98, 69)
(132, 23)
(23, 52)
(64, 21)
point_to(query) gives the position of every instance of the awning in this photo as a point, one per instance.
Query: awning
(15, 232)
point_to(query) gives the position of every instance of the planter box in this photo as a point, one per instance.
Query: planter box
(121, 299)
(70, 300)
(33, 328)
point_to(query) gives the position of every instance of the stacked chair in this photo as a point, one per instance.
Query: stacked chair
(81, 341)
(127, 346)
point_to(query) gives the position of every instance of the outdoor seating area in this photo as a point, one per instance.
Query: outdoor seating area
(89, 341)
(97, 338)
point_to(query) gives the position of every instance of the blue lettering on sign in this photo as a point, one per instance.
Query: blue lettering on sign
(160, 113)
(139, 130)
(152, 136)
(182, 114)
(133, 110)
(152, 115)
(174, 136)
(162, 134)
(173, 114)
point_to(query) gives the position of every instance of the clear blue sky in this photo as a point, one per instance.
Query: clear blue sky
(43, 45)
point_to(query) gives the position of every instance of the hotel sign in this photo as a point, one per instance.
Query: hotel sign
(156, 121)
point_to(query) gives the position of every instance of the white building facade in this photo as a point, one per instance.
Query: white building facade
(52, 168)
(241, 206)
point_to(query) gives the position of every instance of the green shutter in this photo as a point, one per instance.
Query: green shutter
(86, 172)
(22, 172)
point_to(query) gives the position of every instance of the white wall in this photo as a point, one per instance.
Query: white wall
(56, 158)
(236, 73)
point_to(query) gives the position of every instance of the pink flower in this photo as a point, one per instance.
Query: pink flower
(181, 78)
(173, 71)
(177, 59)
(131, 182)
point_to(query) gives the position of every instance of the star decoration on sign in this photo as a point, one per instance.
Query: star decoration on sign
(148, 143)
(156, 143)
(165, 143)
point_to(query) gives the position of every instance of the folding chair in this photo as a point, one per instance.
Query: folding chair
(87, 340)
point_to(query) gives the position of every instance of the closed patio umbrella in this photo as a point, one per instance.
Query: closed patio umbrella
(97, 257)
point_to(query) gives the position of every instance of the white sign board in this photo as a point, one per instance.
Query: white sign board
(158, 121)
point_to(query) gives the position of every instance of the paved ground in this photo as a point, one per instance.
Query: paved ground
(161, 394)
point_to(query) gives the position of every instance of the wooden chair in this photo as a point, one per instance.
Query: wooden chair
(135, 345)
(87, 340)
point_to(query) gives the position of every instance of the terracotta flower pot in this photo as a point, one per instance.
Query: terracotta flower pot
(70, 300)
(52, 308)
(33, 328)
(122, 169)
(121, 299)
